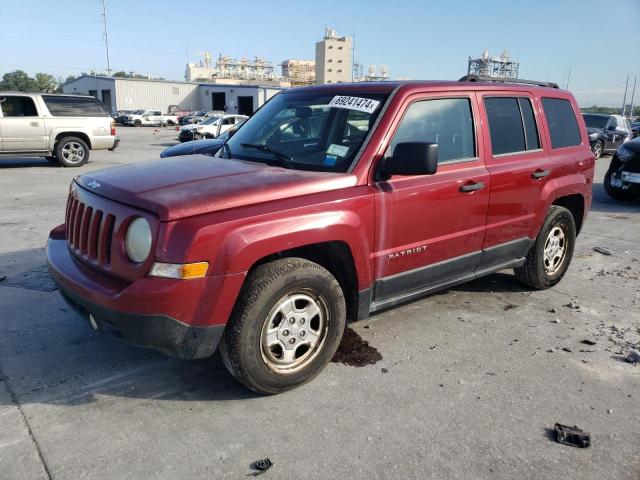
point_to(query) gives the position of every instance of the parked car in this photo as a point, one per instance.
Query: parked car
(207, 146)
(184, 120)
(331, 202)
(121, 114)
(622, 180)
(149, 118)
(211, 127)
(606, 132)
(62, 128)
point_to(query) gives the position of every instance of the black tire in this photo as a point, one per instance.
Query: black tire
(171, 123)
(534, 273)
(72, 152)
(242, 348)
(137, 123)
(597, 149)
(612, 191)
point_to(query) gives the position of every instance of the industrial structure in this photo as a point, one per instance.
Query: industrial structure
(488, 66)
(229, 70)
(136, 94)
(373, 74)
(299, 72)
(334, 58)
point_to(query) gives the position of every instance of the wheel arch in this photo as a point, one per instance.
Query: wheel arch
(335, 256)
(575, 203)
(79, 134)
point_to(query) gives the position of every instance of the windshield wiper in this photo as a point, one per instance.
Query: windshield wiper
(286, 160)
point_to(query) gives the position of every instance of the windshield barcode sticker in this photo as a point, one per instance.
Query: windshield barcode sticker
(354, 103)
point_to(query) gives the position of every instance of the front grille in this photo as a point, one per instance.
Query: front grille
(89, 232)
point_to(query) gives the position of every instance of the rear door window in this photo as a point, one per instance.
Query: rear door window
(448, 122)
(512, 125)
(60, 106)
(17, 106)
(563, 126)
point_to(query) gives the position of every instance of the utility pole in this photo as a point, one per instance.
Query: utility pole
(106, 36)
(567, 78)
(353, 56)
(633, 93)
(624, 100)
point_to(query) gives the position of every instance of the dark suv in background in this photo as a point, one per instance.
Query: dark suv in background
(606, 132)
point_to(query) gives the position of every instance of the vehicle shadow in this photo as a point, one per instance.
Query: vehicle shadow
(22, 162)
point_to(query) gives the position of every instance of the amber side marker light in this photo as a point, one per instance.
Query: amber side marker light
(181, 271)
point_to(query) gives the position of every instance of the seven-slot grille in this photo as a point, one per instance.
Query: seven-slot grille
(89, 231)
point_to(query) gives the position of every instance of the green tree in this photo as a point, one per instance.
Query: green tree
(45, 83)
(18, 80)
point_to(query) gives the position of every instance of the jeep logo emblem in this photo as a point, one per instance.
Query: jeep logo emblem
(93, 184)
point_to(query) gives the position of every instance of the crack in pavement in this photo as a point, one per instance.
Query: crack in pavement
(14, 399)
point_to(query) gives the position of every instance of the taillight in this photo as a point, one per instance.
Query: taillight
(113, 128)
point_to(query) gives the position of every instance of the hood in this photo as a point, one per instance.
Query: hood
(591, 130)
(189, 126)
(207, 146)
(632, 146)
(195, 184)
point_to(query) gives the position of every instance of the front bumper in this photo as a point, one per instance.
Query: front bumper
(175, 317)
(626, 181)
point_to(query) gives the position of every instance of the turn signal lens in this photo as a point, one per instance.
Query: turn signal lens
(180, 271)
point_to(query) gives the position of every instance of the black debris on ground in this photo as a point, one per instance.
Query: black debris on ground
(602, 251)
(574, 436)
(261, 466)
(588, 342)
(355, 351)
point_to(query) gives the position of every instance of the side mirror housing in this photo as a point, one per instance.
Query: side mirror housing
(611, 127)
(411, 158)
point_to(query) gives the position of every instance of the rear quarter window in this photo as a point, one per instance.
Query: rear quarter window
(74, 106)
(563, 126)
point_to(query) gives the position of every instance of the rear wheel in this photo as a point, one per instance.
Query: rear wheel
(72, 152)
(551, 253)
(597, 149)
(286, 326)
(137, 123)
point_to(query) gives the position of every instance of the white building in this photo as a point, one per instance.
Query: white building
(134, 94)
(334, 57)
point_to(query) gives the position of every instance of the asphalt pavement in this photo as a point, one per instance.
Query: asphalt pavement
(468, 383)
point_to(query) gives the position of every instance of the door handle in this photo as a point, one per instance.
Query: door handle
(540, 174)
(34, 124)
(472, 187)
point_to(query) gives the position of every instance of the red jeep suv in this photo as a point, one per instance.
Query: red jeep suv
(330, 203)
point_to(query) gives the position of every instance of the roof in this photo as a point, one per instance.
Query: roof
(387, 87)
(152, 80)
(45, 93)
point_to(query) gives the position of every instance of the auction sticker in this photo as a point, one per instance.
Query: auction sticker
(338, 150)
(354, 103)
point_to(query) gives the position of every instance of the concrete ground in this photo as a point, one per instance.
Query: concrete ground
(470, 381)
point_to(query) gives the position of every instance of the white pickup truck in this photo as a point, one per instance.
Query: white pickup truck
(149, 118)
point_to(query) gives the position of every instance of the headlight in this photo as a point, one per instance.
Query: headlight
(593, 135)
(137, 241)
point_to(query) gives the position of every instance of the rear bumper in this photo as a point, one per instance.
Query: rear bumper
(104, 142)
(115, 144)
(182, 318)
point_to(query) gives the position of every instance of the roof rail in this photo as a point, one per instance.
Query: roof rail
(478, 78)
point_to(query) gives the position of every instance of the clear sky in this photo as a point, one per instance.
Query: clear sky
(599, 40)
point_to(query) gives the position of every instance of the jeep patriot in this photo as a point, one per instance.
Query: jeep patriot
(330, 203)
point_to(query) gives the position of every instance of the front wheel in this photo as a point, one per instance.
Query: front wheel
(285, 327)
(597, 149)
(72, 152)
(549, 257)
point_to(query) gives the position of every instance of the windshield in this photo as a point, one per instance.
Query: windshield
(595, 121)
(209, 121)
(138, 112)
(319, 131)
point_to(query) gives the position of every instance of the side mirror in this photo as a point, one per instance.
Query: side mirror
(411, 158)
(611, 127)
